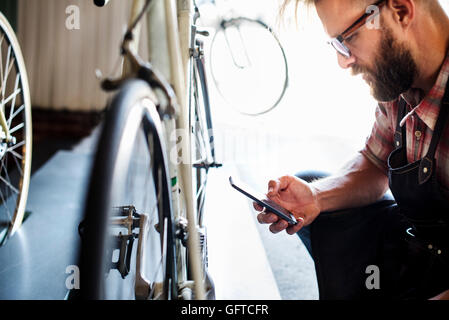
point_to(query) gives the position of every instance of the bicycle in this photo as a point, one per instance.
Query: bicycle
(247, 61)
(149, 175)
(15, 133)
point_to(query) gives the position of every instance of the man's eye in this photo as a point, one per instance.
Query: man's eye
(351, 37)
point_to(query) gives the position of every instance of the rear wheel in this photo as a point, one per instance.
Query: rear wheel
(15, 152)
(128, 249)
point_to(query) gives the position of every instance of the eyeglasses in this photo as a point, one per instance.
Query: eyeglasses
(337, 42)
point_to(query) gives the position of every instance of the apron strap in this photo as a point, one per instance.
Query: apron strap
(427, 164)
(400, 133)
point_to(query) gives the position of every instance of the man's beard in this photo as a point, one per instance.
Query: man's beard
(395, 69)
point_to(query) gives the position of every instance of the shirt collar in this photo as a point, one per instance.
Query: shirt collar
(427, 107)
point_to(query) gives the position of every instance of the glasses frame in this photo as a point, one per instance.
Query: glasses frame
(337, 42)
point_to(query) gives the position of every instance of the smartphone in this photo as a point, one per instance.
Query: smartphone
(266, 203)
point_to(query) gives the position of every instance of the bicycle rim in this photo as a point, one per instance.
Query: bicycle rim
(202, 134)
(203, 155)
(248, 66)
(15, 155)
(127, 235)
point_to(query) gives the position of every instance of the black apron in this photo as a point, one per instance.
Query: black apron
(425, 212)
(407, 238)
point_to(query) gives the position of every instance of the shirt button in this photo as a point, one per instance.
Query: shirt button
(418, 134)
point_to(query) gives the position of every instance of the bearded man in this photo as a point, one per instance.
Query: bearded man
(352, 229)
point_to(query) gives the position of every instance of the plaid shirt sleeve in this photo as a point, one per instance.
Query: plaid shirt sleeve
(380, 143)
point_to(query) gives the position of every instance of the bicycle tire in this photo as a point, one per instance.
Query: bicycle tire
(131, 139)
(15, 155)
(234, 81)
(202, 128)
(204, 153)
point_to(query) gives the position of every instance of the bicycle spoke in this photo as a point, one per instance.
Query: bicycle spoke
(16, 113)
(19, 126)
(147, 198)
(9, 185)
(6, 206)
(157, 271)
(12, 96)
(199, 129)
(8, 68)
(4, 169)
(244, 46)
(201, 189)
(13, 104)
(154, 215)
(1, 62)
(19, 167)
(15, 154)
(16, 146)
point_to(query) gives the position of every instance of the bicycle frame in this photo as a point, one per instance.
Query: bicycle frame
(4, 126)
(169, 27)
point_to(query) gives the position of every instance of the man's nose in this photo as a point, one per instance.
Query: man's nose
(345, 62)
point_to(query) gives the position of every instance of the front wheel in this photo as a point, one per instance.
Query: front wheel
(15, 133)
(128, 249)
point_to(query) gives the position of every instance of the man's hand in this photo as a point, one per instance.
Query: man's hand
(295, 195)
(442, 296)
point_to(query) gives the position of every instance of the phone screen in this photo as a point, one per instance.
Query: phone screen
(266, 203)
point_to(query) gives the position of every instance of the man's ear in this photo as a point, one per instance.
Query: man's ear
(403, 11)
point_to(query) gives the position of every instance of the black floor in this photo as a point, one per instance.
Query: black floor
(33, 263)
(45, 148)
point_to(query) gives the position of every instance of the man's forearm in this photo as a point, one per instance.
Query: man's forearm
(359, 183)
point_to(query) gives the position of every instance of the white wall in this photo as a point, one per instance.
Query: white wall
(323, 120)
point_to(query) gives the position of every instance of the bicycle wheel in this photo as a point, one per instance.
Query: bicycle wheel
(15, 151)
(128, 249)
(202, 131)
(203, 153)
(248, 65)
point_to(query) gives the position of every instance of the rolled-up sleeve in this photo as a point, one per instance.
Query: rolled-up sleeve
(380, 143)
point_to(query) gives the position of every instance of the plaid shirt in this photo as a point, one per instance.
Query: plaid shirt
(420, 126)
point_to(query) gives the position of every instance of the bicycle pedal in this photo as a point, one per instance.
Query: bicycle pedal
(181, 232)
(203, 33)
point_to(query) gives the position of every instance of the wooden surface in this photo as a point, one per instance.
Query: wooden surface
(61, 62)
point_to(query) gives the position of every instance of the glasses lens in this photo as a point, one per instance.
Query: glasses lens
(341, 48)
